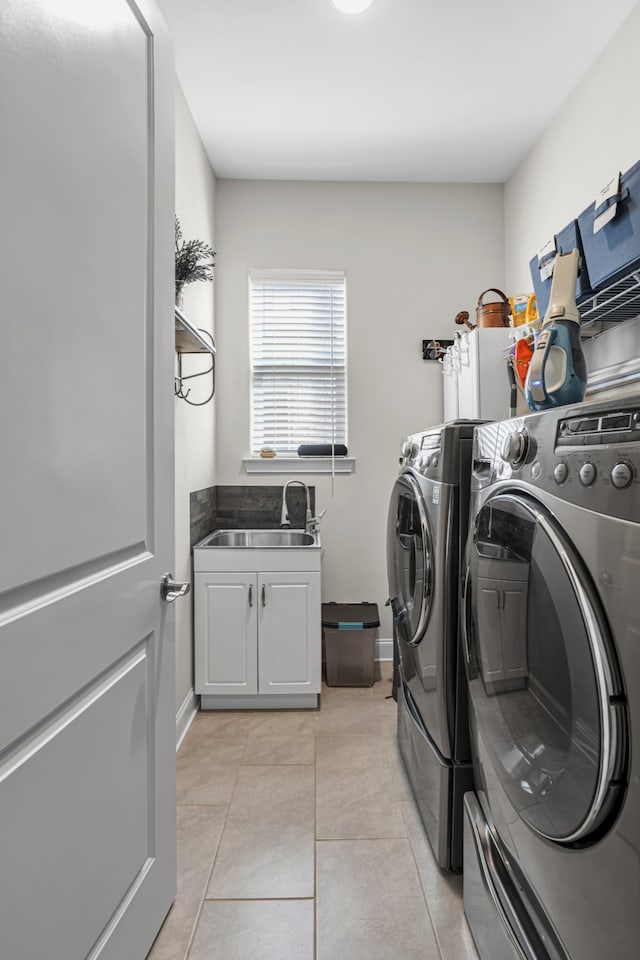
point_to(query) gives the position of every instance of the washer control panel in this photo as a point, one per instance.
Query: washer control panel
(619, 426)
(588, 453)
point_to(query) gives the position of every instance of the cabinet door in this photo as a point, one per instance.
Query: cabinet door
(289, 633)
(225, 622)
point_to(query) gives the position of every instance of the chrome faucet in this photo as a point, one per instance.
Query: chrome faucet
(284, 516)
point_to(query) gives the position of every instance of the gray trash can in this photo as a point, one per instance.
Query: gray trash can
(349, 632)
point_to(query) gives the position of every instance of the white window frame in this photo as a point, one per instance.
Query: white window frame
(287, 462)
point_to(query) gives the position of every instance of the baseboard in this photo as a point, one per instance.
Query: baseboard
(384, 650)
(258, 701)
(185, 717)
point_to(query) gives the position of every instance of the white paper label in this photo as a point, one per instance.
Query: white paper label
(547, 268)
(436, 495)
(611, 190)
(547, 249)
(546, 259)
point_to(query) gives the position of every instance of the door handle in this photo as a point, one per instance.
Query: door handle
(264, 595)
(250, 594)
(171, 589)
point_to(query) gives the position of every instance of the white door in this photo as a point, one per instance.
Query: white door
(87, 719)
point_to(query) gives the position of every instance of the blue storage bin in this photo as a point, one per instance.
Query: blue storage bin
(567, 239)
(614, 251)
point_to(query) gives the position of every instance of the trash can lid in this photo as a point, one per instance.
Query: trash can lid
(333, 614)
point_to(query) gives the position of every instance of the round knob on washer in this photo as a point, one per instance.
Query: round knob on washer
(560, 472)
(514, 447)
(621, 475)
(587, 474)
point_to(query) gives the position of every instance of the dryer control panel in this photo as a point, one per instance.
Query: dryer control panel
(428, 460)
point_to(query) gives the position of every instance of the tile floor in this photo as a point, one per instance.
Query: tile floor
(298, 840)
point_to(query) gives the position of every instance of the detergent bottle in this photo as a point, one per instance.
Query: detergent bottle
(557, 371)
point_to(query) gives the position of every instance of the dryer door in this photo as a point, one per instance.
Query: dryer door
(547, 711)
(409, 559)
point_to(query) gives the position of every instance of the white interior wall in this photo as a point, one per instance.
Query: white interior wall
(194, 426)
(593, 136)
(414, 255)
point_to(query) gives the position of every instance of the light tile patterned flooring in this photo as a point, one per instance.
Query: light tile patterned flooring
(298, 840)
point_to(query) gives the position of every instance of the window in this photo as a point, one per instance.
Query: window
(298, 359)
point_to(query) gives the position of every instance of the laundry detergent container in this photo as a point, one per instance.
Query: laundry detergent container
(614, 250)
(541, 266)
(349, 633)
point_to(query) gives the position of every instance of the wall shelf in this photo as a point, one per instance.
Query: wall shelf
(190, 340)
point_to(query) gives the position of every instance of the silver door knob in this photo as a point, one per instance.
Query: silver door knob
(170, 589)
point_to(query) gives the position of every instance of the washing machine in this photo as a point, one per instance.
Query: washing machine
(551, 639)
(426, 533)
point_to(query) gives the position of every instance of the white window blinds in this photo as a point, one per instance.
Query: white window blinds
(298, 359)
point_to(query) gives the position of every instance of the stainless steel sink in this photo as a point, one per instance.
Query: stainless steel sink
(259, 538)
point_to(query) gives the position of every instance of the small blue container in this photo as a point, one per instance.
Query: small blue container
(567, 239)
(614, 251)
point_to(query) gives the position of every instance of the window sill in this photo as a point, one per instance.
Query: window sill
(298, 464)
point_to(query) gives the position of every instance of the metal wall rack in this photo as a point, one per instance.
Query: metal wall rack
(600, 311)
(614, 304)
(188, 339)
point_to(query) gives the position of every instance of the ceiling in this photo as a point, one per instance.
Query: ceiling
(413, 90)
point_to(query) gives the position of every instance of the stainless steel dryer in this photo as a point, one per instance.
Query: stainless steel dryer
(552, 647)
(426, 529)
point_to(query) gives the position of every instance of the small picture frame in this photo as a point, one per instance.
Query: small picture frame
(434, 349)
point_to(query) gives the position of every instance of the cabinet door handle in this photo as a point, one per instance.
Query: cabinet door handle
(264, 595)
(250, 595)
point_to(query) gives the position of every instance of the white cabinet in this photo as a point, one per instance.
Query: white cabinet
(482, 376)
(257, 631)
